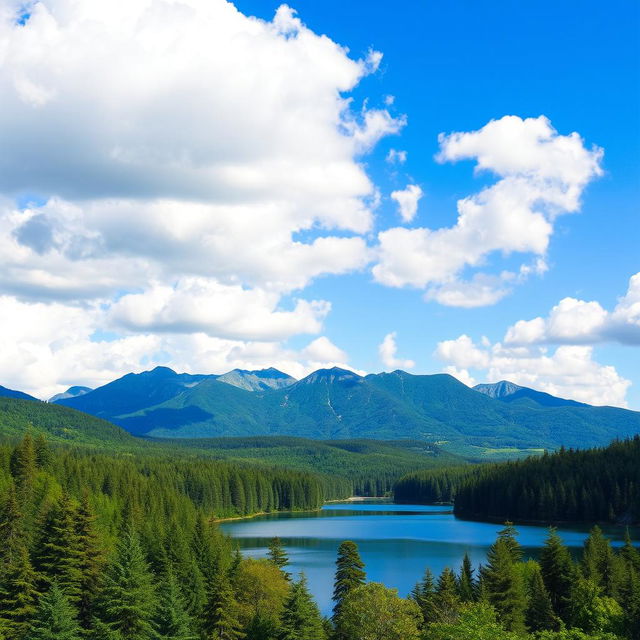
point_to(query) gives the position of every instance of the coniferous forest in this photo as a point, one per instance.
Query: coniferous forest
(593, 485)
(126, 547)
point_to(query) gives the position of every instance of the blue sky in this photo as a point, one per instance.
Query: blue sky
(109, 238)
(453, 67)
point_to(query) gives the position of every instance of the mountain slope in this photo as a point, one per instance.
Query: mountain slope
(133, 392)
(11, 393)
(59, 424)
(510, 392)
(339, 404)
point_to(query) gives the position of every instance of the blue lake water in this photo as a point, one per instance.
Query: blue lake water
(396, 542)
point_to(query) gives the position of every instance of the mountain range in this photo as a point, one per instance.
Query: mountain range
(340, 404)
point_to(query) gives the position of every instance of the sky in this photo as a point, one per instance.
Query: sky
(431, 186)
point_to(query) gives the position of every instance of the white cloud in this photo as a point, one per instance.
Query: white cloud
(461, 374)
(199, 305)
(541, 175)
(568, 372)
(388, 350)
(396, 157)
(481, 291)
(407, 200)
(574, 321)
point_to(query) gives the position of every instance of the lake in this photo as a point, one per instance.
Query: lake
(396, 542)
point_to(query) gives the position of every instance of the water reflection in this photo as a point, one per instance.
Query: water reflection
(396, 542)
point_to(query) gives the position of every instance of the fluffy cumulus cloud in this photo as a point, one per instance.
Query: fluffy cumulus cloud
(574, 321)
(189, 168)
(407, 200)
(388, 350)
(569, 371)
(541, 175)
(555, 353)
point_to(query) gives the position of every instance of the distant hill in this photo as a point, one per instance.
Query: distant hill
(10, 393)
(510, 392)
(71, 392)
(339, 404)
(59, 424)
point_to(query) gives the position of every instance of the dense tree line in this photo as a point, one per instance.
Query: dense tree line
(594, 485)
(432, 485)
(509, 597)
(125, 547)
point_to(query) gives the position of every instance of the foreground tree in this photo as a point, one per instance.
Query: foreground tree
(277, 555)
(475, 622)
(128, 597)
(349, 573)
(55, 618)
(558, 573)
(540, 615)
(373, 612)
(221, 613)
(301, 618)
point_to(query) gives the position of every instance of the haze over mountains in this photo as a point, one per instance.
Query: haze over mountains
(336, 403)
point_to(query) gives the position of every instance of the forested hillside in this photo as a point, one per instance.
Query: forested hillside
(594, 485)
(597, 485)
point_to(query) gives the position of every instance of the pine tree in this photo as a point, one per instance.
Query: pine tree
(11, 529)
(424, 596)
(172, 620)
(18, 594)
(349, 573)
(42, 451)
(466, 583)
(446, 602)
(220, 617)
(91, 560)
(128, 596)
(558, 573)
(24, 465)
(278, 556)
(301, 618)
(503, 585)
(59, 554)
(55, 618)
(540, 615)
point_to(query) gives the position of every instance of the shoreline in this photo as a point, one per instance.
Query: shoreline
(270, 513)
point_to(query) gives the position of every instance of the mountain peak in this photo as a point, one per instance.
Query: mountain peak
(334, 374)
(259, 380)
(71, 392)
(498, 389)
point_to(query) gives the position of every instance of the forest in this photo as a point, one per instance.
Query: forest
(592, 485)
(126, 547)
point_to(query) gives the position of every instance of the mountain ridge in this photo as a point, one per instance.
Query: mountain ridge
(337, 403)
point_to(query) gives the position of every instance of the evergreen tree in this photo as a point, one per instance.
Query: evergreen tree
(11, 529)
(540, 615)
(509, 536)
(423, 594)
(600, 564)
(18, 594)
(220, 617)
(55, 618)
(91, 560)
(504, 586)
(558, 573)
(42, 451)
(446, 602)
(59, 554)
(128, 602)
(466, 582)
(349, 573)
(277, 555)
(24, 465)
(301, 618)
(172, 620)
